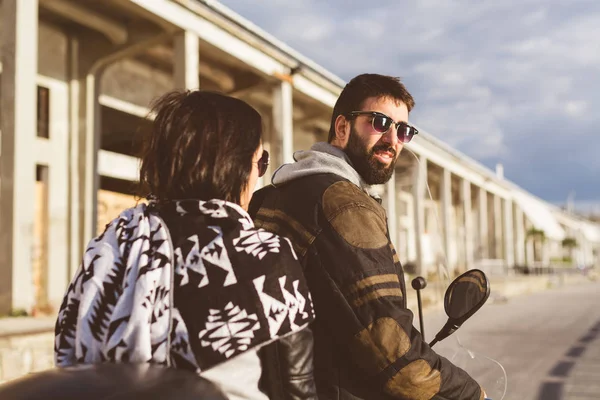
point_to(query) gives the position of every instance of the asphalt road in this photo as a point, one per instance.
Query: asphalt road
(548, 343)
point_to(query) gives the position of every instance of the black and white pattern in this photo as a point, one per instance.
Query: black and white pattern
(191, 297)
(124, 281)
(229, 330)
(257, 242)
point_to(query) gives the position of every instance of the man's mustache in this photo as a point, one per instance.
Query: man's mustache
(383, 148)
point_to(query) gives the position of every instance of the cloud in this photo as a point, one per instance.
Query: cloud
(513, 81)
(575, 108)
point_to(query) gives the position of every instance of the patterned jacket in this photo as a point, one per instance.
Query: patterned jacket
(365, 343)
(191, 284)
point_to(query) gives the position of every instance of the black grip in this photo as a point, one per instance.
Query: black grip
(419, 283)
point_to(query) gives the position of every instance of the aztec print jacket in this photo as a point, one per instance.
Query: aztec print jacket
(365, 344)
(191, 288)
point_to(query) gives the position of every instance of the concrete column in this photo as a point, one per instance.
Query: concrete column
(187, 61)
(58, 227)
(84, 142)
(519, 230)
(408, 226)
(498, 222)
(92, 143)
(530, 246)
(509, 249)
(546, 253)
(17, 163)
(483, 250)
(95, 56)
(468, 222)
(419, 185)
(76, 209)
(283, 119)
(530, 252)
(390, 192)
(446, 205)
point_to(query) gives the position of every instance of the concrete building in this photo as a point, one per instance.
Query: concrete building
(88, 70)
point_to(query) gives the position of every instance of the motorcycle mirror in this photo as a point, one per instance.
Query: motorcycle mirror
(464, 297)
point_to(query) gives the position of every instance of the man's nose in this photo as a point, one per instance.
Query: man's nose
(391, 136)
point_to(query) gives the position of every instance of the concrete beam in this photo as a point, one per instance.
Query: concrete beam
(125, 106)
(113, 30)
(185, 19)
(249, 88)
(324, 96)
(164, 56)
(447, 161)
(186, 63)
(180, 17)
(119, 166)
(17, 164)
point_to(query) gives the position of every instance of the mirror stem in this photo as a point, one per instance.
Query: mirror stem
(448, 329)
(418, 284)
(420, 307)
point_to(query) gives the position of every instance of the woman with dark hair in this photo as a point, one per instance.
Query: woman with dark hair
(186, 280)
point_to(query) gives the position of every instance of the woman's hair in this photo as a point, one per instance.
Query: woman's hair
(200, 146)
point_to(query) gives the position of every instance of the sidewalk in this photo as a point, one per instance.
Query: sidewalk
(26, 345)
(502, 288)
(25, 325)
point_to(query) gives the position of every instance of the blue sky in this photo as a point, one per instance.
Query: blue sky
(510, 81)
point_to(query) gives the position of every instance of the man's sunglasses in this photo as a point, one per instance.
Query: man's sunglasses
(382, 123)
(263, 163)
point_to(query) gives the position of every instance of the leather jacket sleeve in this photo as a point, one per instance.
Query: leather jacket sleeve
(288, 367)
(359, 285)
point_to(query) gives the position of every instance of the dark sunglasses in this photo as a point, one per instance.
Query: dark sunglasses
(382, 123)
(263, 163)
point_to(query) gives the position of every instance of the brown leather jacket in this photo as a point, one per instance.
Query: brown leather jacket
(365, 344)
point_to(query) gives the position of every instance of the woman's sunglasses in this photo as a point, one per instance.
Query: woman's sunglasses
(382, 123)
(263, 163)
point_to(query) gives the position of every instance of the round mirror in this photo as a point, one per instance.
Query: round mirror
(466, 294)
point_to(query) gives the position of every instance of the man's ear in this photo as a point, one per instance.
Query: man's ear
(342, 130)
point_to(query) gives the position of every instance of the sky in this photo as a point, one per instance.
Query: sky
(515, 82)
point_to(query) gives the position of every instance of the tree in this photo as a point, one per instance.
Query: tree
(536, 234)
(569, 243)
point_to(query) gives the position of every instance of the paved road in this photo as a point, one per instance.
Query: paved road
(548, 342)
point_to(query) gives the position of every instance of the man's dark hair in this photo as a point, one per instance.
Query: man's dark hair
(366, 86)
(200, 146)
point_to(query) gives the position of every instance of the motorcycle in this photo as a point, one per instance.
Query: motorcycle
(111, 381)
(463, 298)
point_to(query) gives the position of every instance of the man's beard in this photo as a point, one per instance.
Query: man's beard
(364, 162)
